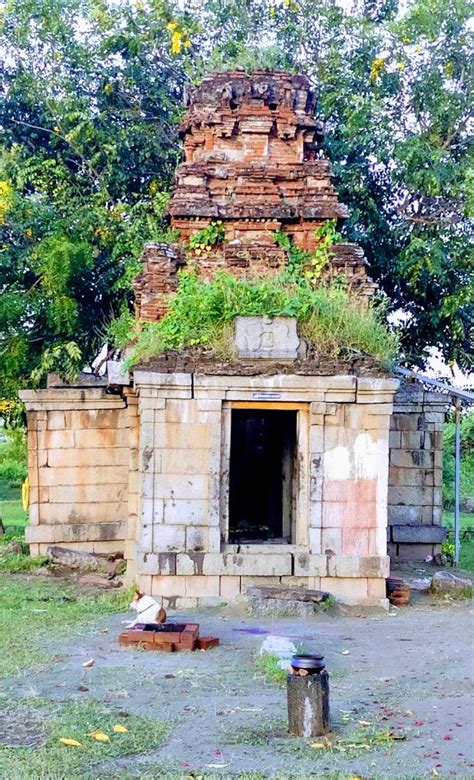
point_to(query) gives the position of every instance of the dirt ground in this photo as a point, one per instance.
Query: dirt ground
(406, 673)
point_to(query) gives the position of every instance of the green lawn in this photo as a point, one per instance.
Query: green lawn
(12, 513)
(466, 552)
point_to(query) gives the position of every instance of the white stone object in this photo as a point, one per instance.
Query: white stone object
(280, 646)
(116, 374)
(261, 337)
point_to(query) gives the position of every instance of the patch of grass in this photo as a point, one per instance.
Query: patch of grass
(268, 664)
(12, 512)
(263, 734)
(33, 609)
(334, 320)
(356, 745)
(466, 535)
(13, 468)
(13, 563)
(55, 761)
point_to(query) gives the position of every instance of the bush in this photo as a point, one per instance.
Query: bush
(330, 317)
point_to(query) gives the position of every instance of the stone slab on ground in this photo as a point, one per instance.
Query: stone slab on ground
(278, 608)
(446, 581)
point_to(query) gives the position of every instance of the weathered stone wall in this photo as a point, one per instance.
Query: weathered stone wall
(82, 447)
(416, 473)
(339, 540)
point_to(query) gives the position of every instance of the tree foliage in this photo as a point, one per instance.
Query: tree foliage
(90, 98)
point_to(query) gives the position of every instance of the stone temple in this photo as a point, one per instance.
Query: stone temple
(278, 468)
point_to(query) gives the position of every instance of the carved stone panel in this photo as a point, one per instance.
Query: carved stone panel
(261, 337)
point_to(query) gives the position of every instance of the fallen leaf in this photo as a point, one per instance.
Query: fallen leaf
(434, 773)
(408, 713)
(119, 729)
(364, 722)
(70, 742)
(345, 652)
(83, 688)
(318, 745)
(99, 736)
(89, 663)
(217, 766)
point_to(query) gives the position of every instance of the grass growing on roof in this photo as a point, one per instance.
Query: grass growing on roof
(201, 314)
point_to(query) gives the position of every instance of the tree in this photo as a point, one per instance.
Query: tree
(395, 94)
(91, 96)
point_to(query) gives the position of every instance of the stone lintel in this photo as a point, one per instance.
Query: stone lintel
(177, 385)
(418, 534)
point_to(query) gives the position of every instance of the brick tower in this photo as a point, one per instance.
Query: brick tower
(252, 162)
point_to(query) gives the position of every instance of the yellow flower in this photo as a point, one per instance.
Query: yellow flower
(153, 187)
(377, 67)
(6, 199)
(176, 42)
(108, 88)
(28, 232)
(401, 65)
(171, 26)
(187, 44)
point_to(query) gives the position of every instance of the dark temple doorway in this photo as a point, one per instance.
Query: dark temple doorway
(261, 480)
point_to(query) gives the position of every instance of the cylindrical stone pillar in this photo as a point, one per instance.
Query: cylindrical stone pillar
(308, 704)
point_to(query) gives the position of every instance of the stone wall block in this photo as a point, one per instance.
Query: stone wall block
(355, 541)
(314, 541)
(331, 541)
(349, 590)
(197, 538)
(107, 511)
(117, 456)
(56, 421)
(410, 458)
(169, 538)
(191, 462)
(185, 512)
(164, 585)
(229, 587)
(250, 565)
(308, 565)
(404, 514)
(377, 543)
(199, 586)
(181, 486)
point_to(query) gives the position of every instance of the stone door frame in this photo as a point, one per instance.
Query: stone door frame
(299, 530)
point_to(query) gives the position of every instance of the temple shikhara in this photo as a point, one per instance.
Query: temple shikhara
(280, 467)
